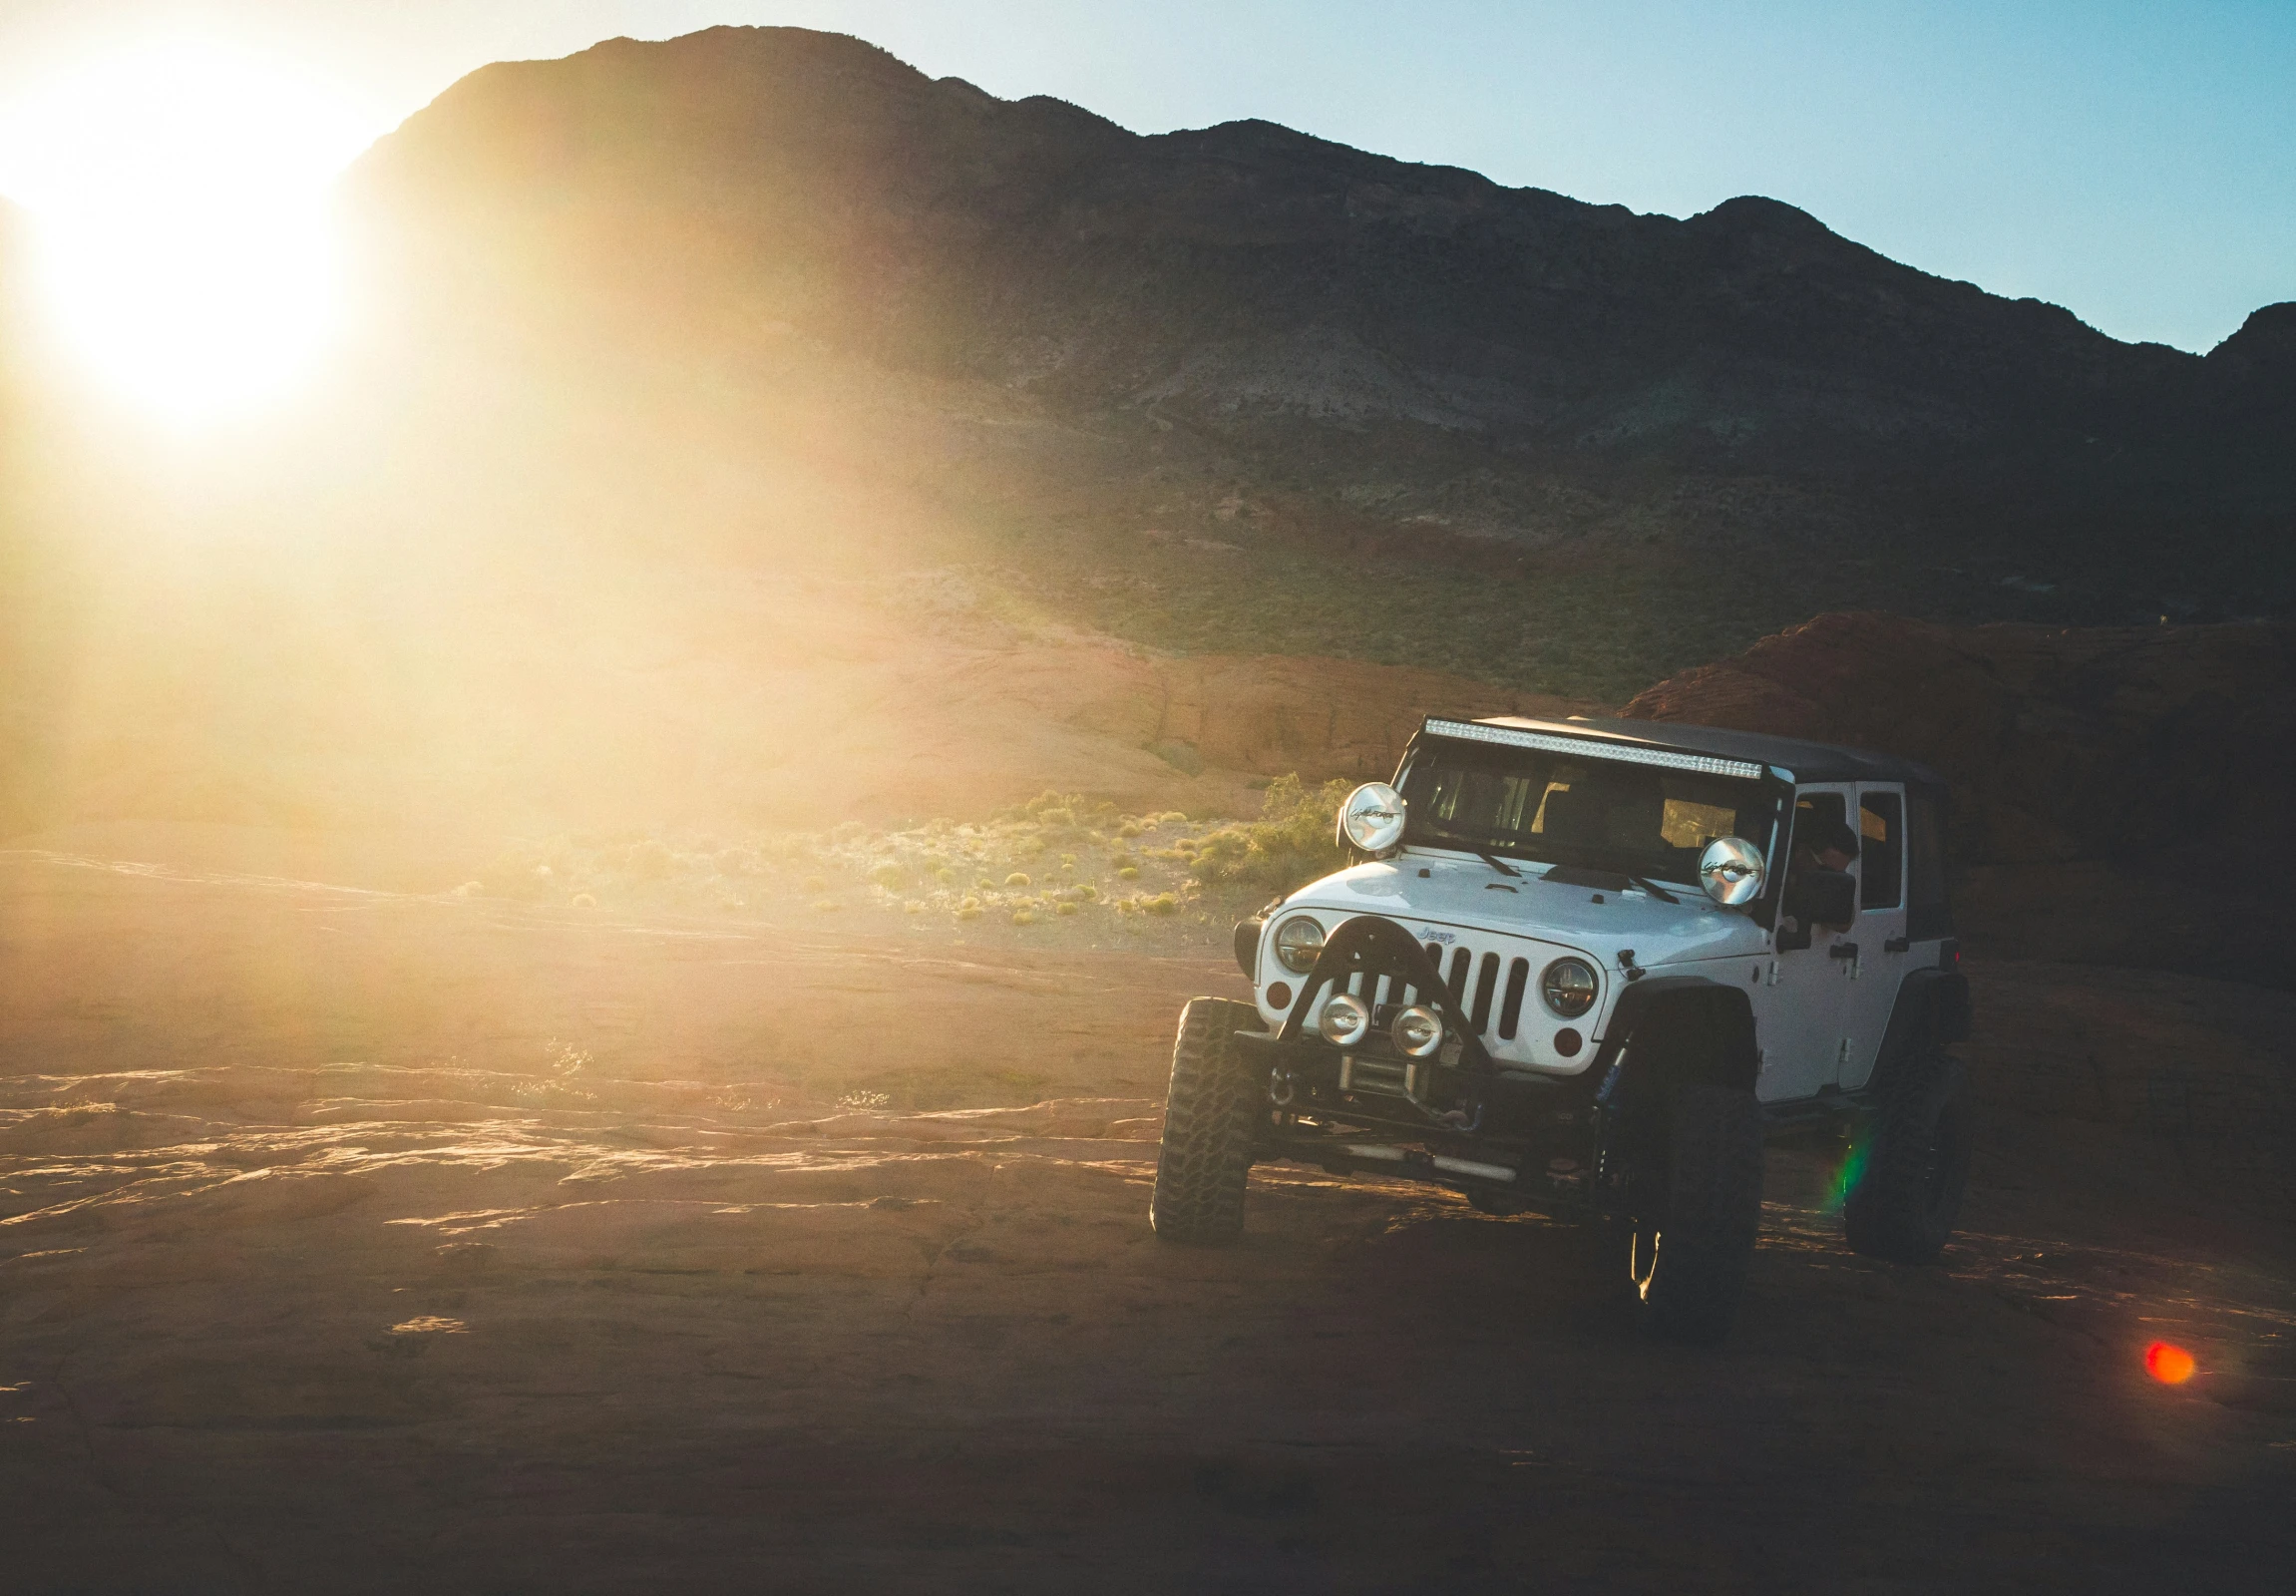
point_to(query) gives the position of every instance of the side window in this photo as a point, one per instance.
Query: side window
(1811, 807)
(1814, 813)
(1927, 913)
(1881, 851)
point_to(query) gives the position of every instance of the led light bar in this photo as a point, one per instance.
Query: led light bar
(1590, 748)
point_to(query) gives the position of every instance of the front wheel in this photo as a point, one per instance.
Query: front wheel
(1206, 1156)
(1691, 1261)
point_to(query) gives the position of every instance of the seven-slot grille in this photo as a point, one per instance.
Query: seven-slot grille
(1489, 986)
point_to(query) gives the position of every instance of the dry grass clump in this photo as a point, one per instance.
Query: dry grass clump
(1292, 841)
(1061, 864)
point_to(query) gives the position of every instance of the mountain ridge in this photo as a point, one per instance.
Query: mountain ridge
(1250, 310)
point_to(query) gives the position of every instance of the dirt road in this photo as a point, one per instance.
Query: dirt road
(352, 1241)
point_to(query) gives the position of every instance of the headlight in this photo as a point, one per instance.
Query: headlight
(1372, 819)
(1345, 1019)
(1419, 1031)
(1297, 942)
(1569, 987)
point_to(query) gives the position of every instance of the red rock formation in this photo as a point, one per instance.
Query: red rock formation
(2061, 743)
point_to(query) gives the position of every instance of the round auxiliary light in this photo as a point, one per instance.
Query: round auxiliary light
(1346, 1020)
(1419, 1031)
(1372, 819)
(1297, 942)
(1732, 871)
(1569, 987)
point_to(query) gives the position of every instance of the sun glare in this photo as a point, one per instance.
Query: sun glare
(180, 201)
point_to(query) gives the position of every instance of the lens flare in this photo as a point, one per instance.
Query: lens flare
(2168, 1363)
(1846, 1178)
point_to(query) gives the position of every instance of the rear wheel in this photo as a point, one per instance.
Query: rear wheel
(1689, 1262)
(1906, 1192)
(1206, 1156)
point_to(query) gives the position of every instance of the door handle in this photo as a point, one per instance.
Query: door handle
(1842, 950)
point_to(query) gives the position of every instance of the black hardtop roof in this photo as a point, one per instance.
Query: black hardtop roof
(1810, 761)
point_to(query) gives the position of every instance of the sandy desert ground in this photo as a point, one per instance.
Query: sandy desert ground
(362, 1240)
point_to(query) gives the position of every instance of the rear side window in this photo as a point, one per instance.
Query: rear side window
(1881, 850)
(1928, 914)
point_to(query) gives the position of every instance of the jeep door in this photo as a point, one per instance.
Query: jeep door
(1883, 954)
(1799, 1025)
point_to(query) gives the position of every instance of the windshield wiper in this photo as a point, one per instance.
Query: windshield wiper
(1651, 887)
(1484, 854)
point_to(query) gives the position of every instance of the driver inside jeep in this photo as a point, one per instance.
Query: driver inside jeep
(1820, 843)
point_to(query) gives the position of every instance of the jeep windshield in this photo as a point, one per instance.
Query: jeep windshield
(1561, 809)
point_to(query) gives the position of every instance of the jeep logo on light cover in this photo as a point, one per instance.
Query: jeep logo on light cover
(1429, 934)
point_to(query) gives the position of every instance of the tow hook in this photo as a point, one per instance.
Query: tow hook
(1283, 1085)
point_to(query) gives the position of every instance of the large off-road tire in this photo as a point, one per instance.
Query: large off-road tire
(1906, 1192)
(1691, 1261)
(1206, 1157)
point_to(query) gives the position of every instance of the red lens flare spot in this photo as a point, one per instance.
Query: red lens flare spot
(2168, 1363)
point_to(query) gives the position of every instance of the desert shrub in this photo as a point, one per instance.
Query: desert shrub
(1291, 842)
(1017, 879)
(1024, 917)
(1064, 908)
(912, 907)
(1161, 904)
(1129, 873)
(887, 873)
(1088, 892)
(946, 875)
(968, 910)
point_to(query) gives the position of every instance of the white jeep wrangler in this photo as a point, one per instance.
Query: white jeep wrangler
(1581, 967)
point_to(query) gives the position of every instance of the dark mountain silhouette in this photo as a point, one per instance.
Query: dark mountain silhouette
(1355, 348)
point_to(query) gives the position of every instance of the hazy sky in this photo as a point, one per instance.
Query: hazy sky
(2134, 162)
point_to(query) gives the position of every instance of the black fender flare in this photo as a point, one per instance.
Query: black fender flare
(1935, 1000)
(1721, 1007)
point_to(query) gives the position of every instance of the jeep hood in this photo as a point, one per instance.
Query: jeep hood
(1467, 894)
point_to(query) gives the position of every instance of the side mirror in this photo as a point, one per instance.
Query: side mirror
(1732, 871)
(1823, 897)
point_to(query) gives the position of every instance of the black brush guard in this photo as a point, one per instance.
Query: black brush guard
(1513, 1138)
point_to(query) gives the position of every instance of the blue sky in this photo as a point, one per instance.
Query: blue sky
(2134, 163)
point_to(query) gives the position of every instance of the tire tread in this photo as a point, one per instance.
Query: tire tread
(1205, 1159)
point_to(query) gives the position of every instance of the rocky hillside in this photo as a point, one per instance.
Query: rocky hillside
(2059, 743)
(1346, 346)
(2119, 792)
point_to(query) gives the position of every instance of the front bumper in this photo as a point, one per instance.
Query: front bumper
(1528, 1142)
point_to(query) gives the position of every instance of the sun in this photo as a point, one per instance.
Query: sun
(179, 193)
